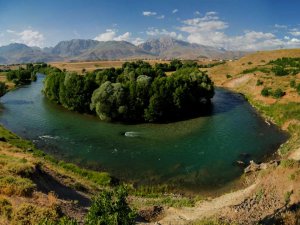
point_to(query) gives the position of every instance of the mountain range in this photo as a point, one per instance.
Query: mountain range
(92, 50)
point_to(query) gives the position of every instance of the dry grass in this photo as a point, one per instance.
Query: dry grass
(91, 66)
(246, 83)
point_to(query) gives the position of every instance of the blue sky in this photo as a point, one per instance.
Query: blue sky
(229, 24)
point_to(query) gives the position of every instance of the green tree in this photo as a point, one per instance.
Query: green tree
(265, 92)
(278, 93)
(110, 208)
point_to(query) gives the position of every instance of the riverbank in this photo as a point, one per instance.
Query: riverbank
(273, 197)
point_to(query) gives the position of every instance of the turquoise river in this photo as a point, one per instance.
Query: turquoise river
(194, 154)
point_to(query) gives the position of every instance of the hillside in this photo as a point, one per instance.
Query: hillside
(20, 53)
(92, 50)
(169, 48)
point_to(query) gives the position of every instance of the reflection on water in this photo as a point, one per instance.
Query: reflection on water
(193, 154)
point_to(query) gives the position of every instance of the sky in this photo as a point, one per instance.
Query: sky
(229, 24)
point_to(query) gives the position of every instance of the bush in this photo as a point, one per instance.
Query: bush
(280, 71)
(110, 208)
(266, 92)
(293, 84)
(14, 185)
(228, 76)
(32, 214)
(5, 208)
(278, 93)
(259, 82)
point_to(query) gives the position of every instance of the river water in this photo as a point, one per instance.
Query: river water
(193, 154)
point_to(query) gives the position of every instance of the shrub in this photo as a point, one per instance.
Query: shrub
(249, 63)
(228, 76)
(259, 82)
(265, 91)
(110, 208)
(14, 185)
(288, 163)
(278, 93)
(5, 208)
(32, 214)
(292, 83)
(279, 71)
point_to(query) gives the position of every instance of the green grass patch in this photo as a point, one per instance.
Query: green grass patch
(280, 113)
(288, 163)
(100, 178)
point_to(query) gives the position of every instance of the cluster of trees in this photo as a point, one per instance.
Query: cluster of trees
(285, 66)
(25, 75)
(137, 92)
(278, 93)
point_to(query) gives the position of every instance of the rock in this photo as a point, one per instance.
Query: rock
(240, 163)
(252, 167)
(262, 166)
(150, 214)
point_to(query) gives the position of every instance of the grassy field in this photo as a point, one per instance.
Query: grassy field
(91, 66)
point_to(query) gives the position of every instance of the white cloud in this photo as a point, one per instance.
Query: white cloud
(28, 37)
(211, 13)
(123, 37)
(286, 38)
(295, 32)
(10, 31)
(197, 13)
(108, 35)
(175, 11)
(280, 26)
(160, 17)
(163, 32)
(210, 30)
(149, 13)
(111, 35)
(137, 41)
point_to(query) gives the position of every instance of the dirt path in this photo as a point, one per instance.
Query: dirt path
(238, 81)
(178, 216)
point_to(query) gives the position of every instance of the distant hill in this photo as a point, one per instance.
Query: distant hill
(73, 47)
(169, 48)
(113, 50)
(90, 50)
(20, 53)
